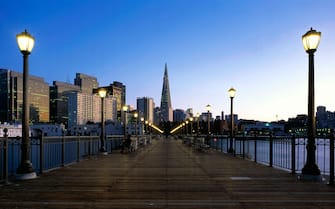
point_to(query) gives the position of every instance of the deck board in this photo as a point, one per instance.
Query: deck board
(166, 174)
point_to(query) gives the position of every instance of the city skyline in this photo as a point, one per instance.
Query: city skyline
(254, 46)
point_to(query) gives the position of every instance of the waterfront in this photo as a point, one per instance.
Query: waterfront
(166, 174)
(60, 151)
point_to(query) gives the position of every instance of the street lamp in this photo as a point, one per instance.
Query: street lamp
(191, 124)
(25, 170)
(146, 127)
(208, 108)
(311, 40)
(136, 116)
(102, 94)
(197, 116)
(186, 127)
(150, 129)
(125, 109)
(231, 93)
(142, 124)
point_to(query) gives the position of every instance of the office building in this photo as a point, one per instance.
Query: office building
(86, 108)
(59, 101)
(324, 119)
(86, 83)
(118, 90)
(179, 115)
(189, 112)
(145, 108)
(11, 97)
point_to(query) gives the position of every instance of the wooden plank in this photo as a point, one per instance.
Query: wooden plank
(166, 174)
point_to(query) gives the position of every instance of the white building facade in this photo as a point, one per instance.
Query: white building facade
(84, 108)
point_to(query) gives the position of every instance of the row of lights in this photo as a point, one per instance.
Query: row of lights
(125, 109)
(231, 93)
(310, 40)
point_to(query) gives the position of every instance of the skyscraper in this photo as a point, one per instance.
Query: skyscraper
(59, 101)
(86, 82)
(11, 94)
(118, 90)
(83, 108)
(145, 108)
(166, 107)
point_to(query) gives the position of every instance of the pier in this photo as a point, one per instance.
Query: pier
(166, 174)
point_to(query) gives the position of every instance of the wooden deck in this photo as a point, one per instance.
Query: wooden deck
(166, 174)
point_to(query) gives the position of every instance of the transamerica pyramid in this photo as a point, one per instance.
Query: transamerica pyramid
(166, 107)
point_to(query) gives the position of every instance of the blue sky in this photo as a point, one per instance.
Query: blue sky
(209, 46)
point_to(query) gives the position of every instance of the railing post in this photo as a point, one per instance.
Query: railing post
(255, 148)
(331, 158)
(227, 139)
(89, 147)
(111, 143)
(234, 146)
(78, 148)
(221, 143)
(5, 156)
(243, 143)
(271, 151)
(293, 154)
(63, 150)
(41, 151)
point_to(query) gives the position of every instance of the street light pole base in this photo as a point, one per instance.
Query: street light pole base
(25, 171)
(103, 153)
(310, 172)
(308, 177)
(26, 176)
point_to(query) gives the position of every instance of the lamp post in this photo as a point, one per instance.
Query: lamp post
(102, 94)
(136, 116)
(186, 127)
(25, 170)
(197, 116)
(142, 125)
(208, 108)
(191, 124)
(311, 40)
(146, 127)
(207, 141)
(232, 93)
(125, 109)
(150, 129)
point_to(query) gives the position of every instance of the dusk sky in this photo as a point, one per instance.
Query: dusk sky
(209, 46)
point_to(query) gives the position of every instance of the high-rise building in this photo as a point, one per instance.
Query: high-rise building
(84, 108)
(11, 97)
(145, 108)
(86, 83)
(166, 107)
(179, 115)
(205, 115)
(119, 87)
(59, 101)
(324, 118)
(189, 112)
(157, 115)
(118, 90)
(222, 115)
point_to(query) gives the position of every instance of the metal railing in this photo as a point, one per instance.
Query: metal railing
(287, 153)
(47, 153)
